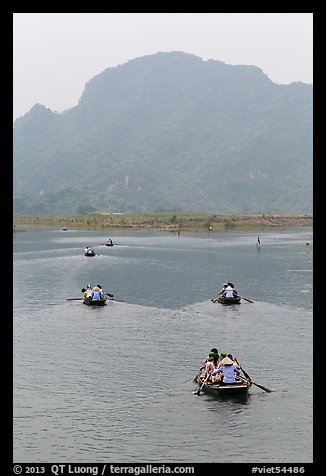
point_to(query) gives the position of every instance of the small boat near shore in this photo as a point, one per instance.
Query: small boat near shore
(241, 387)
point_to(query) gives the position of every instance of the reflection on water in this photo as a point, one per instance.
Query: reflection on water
(116, 383)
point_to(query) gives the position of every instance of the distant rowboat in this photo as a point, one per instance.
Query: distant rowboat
(89, 252)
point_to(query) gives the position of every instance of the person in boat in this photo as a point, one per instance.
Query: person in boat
(216, 357)
(96, 294)
(235, 294)
(209, 367)
(203, 365)
(227, 371)
(102, 294)
(228, 292)
(220, 293)
(109, 242)
(87, 293)
(234, 359)
(89, 250)
(221, 357)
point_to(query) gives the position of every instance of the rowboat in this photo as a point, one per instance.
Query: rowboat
(239, 388)
(94, 302)
(89, 252)
(228, 300)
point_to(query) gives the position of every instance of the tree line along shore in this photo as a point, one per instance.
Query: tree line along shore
(169, 221)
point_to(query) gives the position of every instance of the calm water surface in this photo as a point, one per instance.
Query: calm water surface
(115, 384)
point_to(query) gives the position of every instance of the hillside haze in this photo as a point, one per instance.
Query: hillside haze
(169, 131)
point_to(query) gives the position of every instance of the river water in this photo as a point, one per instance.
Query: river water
(115, 384)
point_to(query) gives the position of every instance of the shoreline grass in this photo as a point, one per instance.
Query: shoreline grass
(167, 221)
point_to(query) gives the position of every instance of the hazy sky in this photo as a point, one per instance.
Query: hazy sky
(55, 54)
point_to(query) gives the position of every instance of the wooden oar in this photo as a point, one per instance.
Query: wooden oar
(74, 299)
(118, 300)
(249, 378)
(196, 378)
(257, 385)
(198, 391)
(245, 299)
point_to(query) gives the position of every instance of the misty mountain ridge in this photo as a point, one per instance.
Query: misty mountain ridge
(169, 131)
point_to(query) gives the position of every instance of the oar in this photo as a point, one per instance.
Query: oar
(196, 378)
(74, 299)
(118, 300)
(249, 378)
(198, 391)
(111, 298)
(257, 385)
(245, 299)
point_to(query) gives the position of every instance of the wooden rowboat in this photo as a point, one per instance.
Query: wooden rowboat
(239, 388)
(229, 300)
(94, 302)
(90, 252)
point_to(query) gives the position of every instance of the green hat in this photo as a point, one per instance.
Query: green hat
(211, 356)
(222, 355)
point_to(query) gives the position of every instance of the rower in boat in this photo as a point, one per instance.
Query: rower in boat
(228, 370)
(89, 251)
(220, 293)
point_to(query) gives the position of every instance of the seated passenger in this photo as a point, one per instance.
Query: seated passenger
(234, 291)
(234, 361)
(209, 366)
(89, 290)
(96, 295)
(228, 370)
(102, 294)
(221, 357)
(228, 292)
(220, 293)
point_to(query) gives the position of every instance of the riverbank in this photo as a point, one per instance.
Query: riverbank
(169, 221)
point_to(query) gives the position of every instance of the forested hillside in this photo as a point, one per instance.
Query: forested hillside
(169, 132)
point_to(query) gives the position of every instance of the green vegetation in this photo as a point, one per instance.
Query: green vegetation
(169, 221)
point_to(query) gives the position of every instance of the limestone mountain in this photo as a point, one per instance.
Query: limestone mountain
(169, 131)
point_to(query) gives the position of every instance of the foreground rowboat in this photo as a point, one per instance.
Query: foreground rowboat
(239, 388)
(94, 302)
(228, 300)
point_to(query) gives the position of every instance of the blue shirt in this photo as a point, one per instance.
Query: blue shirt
(96, 295)
(228, 373)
